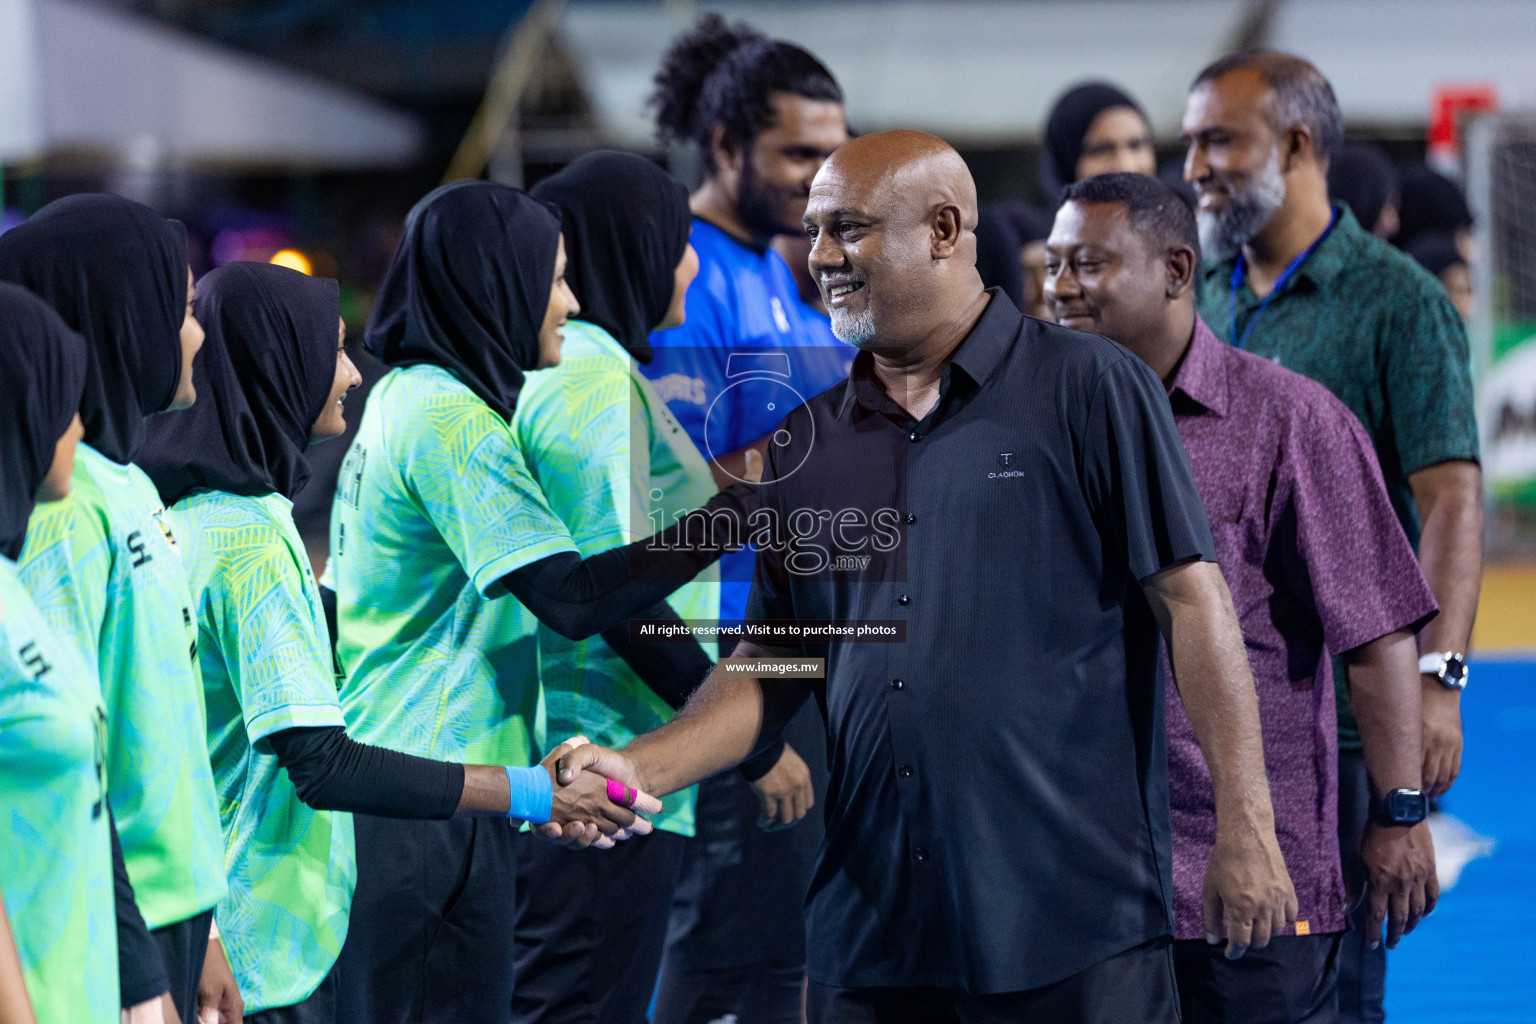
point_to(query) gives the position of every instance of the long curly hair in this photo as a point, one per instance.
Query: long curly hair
(721, 74)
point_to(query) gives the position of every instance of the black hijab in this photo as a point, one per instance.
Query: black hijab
(1002, 229)
(468, 287)
(1435, 251)
(997, 252)
(116, 271)
(626, 226)
(42, 374)
(1068, 125)
(1360, 175)
(1031, 222)
(263, 378)
(1430, 202)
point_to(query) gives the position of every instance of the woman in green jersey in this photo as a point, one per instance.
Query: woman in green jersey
(271, 380)
(55, 846)
(611, 460)
(445, 558)
(104, 569)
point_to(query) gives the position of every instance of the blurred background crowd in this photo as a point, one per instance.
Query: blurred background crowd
(300, 132)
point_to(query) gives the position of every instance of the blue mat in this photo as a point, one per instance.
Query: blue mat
(1472, 960)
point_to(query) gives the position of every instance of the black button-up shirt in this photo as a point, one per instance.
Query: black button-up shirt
(998, 811)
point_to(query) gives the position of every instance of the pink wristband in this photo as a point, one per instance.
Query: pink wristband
(621, 794)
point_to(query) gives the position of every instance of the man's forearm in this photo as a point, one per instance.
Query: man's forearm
(1216, 687)
(1450, 500)
(1247, 895)
(731, 716)
(1385, 693)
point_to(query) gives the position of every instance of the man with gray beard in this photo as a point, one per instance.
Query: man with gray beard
(1291, 277)
(854, 328)
(997, 840)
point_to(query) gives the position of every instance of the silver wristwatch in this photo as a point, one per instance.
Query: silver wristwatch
(1447, 666)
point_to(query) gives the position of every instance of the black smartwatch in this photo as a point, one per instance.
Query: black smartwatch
(1400, 808)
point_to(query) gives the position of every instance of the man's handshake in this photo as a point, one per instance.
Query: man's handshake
(596, 799)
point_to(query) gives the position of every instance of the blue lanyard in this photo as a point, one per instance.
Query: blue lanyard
(1285, 275)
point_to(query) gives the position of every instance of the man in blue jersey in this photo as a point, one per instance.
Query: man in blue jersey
(765, 115)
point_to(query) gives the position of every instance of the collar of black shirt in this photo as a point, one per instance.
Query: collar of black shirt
(976, 357)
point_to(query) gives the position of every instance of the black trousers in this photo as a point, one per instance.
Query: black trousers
(430, 939)
(1134, 986)
(1362, 971)
(756, 994)
(736, 945)
(591, 925)
(183, 947)
(318, 1008)
(1292, 980)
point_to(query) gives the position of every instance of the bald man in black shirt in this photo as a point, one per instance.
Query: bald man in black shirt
(1016, 498)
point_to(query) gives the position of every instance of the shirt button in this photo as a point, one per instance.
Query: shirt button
(911, 518)
(905, 771)
(903, 599)
(921, 853)
(914, 437)
(897, 684)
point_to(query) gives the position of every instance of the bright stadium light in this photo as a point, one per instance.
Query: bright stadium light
(293, 259)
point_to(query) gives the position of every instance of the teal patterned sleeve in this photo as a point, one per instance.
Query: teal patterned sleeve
(463, 466)
(275, 653)
(67, 563)
(585, 444)
(1428, 385)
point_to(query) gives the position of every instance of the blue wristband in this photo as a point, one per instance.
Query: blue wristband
(533, 795)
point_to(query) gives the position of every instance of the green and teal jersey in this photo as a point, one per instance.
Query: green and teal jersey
(267, 666)
(103, 567)
(435, 504)
(55, 843)
(615, 466)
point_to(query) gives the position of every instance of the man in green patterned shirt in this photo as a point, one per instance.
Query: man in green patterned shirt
(1291, 277)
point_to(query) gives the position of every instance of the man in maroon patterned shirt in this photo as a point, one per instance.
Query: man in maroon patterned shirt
(1317, 565)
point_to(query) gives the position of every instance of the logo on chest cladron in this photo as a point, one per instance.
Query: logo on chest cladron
(1005, 461)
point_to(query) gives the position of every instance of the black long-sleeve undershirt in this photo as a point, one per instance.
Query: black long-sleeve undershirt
(580, 597)
(575, 597)
(333, 772)
(141, 974)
